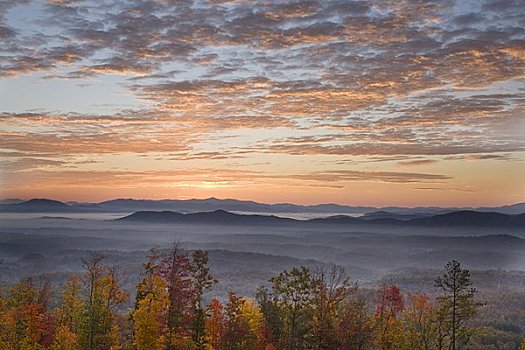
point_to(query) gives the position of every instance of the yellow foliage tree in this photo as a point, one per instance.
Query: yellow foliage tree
(150, 314)
(254, 318)
(418, 319)
(69, 314)
(65, 339)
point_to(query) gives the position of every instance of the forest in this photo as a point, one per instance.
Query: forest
(302, 308)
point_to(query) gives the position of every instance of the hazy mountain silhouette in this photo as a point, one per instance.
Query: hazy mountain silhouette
(472, 218)
(382, 214)
(518, 208)
(222, 217)
(456, 218)
(217, 217)
(233, 205)
(210, 204)
(11, 201)
(37, 205)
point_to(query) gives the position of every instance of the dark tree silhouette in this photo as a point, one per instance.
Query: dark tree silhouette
(457, 305)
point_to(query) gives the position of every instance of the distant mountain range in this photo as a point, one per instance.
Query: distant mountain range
(220, 212)
(233, 205)
(221, 217)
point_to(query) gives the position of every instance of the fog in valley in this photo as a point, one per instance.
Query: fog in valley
(243, 257)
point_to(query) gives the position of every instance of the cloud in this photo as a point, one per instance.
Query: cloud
(371, 176)
(406, 82)
(29, 164)
(418, 162)
(447, 189)
(474, 157)
(43, 178)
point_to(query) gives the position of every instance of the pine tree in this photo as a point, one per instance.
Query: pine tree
(457, 306)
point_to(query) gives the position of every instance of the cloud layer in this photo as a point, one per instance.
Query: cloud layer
(359, 90)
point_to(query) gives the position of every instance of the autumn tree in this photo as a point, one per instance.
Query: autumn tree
(457, 305)
(26, 322)
(356, 327)
(214, 324)
(257, 334)
(237, 334)
(69, 315)
(332, 288)
(175, 268)
(93, 310)
(65, 339)
(273, 322)
(418, 320)
(202, 281)
(151, 305)
(169, 300)
(103, 296)
(4, 322)
(387, 325)
(289, 306)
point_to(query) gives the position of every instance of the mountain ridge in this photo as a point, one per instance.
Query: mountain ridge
(213, 217)
(235, 205)
(222, 217)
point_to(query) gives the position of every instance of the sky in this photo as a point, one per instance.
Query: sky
(414, 103)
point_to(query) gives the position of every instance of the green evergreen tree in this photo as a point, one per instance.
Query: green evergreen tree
(457, 305)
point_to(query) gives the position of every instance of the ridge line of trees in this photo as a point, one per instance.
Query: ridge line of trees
(300, 309)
